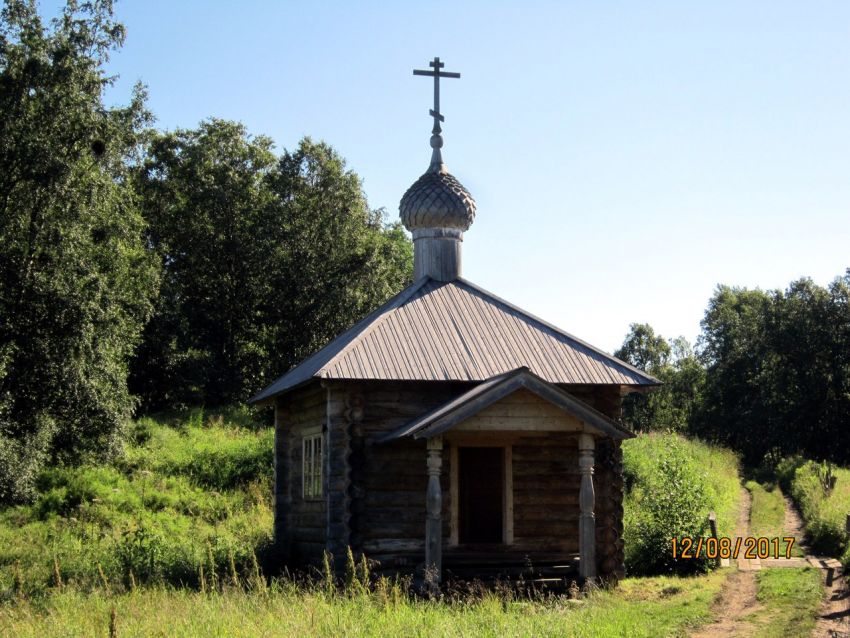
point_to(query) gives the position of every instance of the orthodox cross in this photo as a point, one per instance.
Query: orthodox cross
(436, 65)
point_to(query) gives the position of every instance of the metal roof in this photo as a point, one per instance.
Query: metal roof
(455, 331)
(492, 390)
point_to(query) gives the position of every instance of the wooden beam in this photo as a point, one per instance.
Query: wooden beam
(454, 497)
(488, 438)
(521, 424)
(508, 531)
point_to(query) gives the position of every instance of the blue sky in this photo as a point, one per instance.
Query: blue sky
(625, 157)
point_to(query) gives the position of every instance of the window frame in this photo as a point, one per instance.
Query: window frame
(312, 465)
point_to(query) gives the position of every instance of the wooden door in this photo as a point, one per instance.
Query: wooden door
(481, 479)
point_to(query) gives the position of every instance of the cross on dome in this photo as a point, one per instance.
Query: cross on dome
(436, 65)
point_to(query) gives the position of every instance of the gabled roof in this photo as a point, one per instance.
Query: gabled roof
(455, 331)
(485, 394)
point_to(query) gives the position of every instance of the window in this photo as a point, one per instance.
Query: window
(311, 466)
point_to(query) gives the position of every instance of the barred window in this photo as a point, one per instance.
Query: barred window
(311, 459)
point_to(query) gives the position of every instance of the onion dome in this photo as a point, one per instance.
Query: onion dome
(437, 199)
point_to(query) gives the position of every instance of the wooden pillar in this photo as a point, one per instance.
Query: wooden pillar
(587, 518)
(434, 509)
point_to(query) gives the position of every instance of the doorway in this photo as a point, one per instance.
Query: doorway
(481, 472)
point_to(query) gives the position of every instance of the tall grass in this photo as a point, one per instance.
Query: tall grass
(181, 501)
(654, 607)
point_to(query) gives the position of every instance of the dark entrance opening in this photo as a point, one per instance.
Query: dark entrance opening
(481, 481)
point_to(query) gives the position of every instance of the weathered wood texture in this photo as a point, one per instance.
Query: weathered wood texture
(546, 484)
(344, 414)
(300, 524)
(608, 481)
(607, 399)
(521, 411)
(376, 494)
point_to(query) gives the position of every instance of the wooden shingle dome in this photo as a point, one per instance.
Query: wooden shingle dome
(437, 200)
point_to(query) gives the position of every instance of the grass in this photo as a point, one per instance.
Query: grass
(767, 518)
(173, 536)
(662, 606)
(790, 599)
(823, 512)
(181, 500)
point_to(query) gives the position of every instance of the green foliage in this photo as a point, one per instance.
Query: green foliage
(785, 469)
(671, 486)
(75, 278)
(778, 370)
(184, 502)
(265, 259)
(671, 406)
(824, 511)
(216, 457)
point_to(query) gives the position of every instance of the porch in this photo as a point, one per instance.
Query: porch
(510, 482)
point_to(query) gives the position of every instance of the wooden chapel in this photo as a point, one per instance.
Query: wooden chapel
(450, 429)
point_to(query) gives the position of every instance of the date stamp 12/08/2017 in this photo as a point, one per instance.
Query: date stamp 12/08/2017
(752, 547)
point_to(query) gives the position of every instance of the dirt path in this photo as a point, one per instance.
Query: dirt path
(834, 616)
(793, 524)
(738, 597)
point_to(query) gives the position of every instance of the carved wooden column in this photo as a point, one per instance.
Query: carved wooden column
(434, 509)
(587, 518)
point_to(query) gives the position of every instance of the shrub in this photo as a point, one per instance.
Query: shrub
(824, 511)
(785, 470)
(21, 462)
(671, 485)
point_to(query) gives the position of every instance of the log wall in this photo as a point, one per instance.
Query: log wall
(546, 483)
(379, 508)
(300, 524)
(375, 493)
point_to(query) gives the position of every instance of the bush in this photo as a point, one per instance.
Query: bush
(824, 511)
(21, 462)
(785, 470)
(671, 485)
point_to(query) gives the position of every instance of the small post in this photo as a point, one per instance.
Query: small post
(434, 509)
(847, 525)
(587, 517)
(712, 523)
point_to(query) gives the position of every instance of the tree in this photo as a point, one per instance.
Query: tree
(644, 349)
(670, 407)
(339, 260)
(736, 353)
(75, 277)
(778, 366)
(264, 260)
(209, 207)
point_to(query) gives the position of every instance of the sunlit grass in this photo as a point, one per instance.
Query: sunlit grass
(651, 607)
(790, 599)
